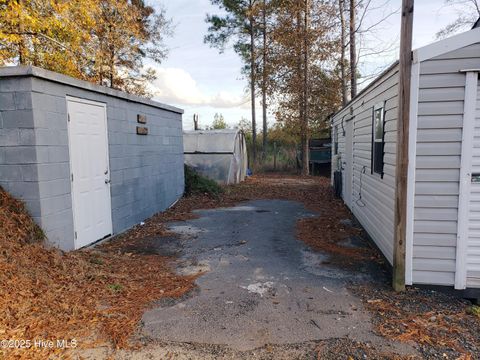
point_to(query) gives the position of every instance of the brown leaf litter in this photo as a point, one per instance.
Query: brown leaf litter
(87, 295)
(440, 324)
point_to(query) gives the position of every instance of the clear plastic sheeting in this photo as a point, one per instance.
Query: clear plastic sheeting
(220, 155)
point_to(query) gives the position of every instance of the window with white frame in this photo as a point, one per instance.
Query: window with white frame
(378, 138)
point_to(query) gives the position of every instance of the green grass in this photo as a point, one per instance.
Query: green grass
(285, 159)
(474, 310)
(96, 260)
(115, 287)
(198, 184)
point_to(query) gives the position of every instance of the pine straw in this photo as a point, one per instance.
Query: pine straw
(89, 296)
(427, 318)
(16, 224)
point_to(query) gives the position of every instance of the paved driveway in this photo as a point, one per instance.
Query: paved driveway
(260, 285)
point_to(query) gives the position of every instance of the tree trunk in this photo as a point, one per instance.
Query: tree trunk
(305, 148)
(252, 84)
(112, 66)
(299, 79)
(343, 73)
(111, 77)
(264, 79)
(21, 44)
(353, 50)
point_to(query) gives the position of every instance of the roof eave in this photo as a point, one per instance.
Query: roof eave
(33, 71)
(446, 45)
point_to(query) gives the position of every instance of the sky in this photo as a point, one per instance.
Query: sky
(201, 81)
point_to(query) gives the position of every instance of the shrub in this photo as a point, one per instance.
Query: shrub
(198, 184)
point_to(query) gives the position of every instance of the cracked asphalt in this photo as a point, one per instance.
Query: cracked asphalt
(259, 284)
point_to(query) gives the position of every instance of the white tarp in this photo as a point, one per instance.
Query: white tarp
(220, 155)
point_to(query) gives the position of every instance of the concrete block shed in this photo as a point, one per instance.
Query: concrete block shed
(88, 161)
(443, 202)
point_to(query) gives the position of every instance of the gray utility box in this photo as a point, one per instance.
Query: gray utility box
(88, 161)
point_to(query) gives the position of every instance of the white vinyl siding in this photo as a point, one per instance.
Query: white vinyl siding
(473, 245)
(438, 155)
(438, 148)
(375, 209)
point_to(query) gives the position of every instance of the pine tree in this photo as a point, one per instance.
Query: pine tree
(305, 46)
(240, 26)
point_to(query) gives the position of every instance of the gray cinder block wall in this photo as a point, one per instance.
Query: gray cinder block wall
(146, 171)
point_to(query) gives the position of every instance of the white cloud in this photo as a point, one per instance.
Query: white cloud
(176, 85)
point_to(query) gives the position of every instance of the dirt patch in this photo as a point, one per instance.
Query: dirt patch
(333, 349)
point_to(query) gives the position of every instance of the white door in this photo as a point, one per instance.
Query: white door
(348, 164)
(90, 173)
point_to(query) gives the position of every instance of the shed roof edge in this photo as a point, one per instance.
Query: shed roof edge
(33, 71)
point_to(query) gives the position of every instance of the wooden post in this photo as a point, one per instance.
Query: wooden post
(403, 120)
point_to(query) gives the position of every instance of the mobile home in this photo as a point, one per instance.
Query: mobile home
(443, 203)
